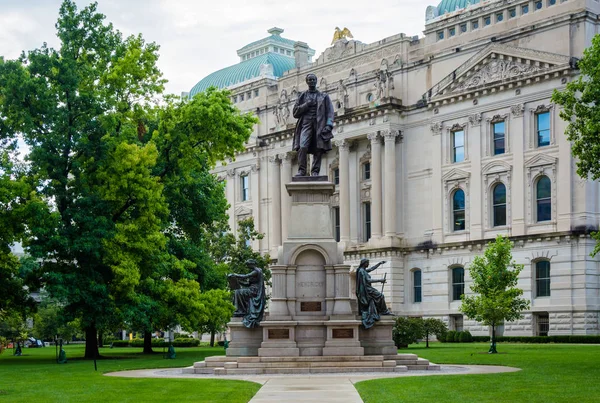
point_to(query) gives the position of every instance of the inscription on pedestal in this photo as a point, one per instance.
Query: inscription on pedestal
(310, 306)
(343, 333)
(279, 333)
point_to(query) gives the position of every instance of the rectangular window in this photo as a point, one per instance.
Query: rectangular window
(499, 17)
(542, 127)
(499, 137)
(463, 28)
(458, 283)
(366, 171)
(551, 2)
(336, 223)
(542, 278)
(417, 286)
(245, 187)
(241, 97)
(458, 146)
(440, 35)
(255, 93)
(512, 13)
(475, 25)
(487, 20)
(452, 31)
(249, 95)
(525, 9)
(367, 221)
(336, 176)
(543, 324)
(538, 5)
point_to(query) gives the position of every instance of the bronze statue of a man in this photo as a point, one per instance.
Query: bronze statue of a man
(313, 135)
(371, 302)
(249, 294)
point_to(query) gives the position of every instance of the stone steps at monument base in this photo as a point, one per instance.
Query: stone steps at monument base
(308, 370)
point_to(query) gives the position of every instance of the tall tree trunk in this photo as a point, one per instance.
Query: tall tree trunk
(492, 349)
(148, 342)
(100, 341)
(91, 343)
(427, 340)
(212, 338)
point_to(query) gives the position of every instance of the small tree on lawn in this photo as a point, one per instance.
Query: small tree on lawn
(219, 310)
(434, 326)
(495, 278)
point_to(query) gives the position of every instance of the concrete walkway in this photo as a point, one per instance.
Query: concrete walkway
(322, 388)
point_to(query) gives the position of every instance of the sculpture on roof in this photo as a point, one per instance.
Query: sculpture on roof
(341, 34)
(342, 95)
(313, 135)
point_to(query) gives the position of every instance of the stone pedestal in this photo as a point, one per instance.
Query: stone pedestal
(244, 342)
(378, 339)
(311, 307)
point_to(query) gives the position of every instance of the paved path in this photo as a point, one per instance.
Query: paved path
(322, 388)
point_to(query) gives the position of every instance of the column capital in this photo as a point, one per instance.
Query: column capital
(373, 137)
(274, 159)
(231, 173)
(255, 167)
(436, 128)
(391, 135)
(517, 110)
(287, 158)
(342, 144)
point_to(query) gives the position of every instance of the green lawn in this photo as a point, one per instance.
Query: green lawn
(35, 377)
(550, 373)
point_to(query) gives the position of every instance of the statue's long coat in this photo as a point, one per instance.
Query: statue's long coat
(324, 118)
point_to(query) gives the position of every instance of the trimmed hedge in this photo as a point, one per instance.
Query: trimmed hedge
(181, 342)
(580, 339)
(465, 337)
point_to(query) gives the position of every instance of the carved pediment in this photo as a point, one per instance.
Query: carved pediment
(496, 167)
(498, 65)
(455, 174)
(540, 160)
(243, 211)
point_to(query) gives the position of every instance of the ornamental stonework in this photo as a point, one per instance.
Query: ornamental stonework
(496, 70)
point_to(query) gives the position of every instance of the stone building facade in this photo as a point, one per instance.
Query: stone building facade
(442, 142)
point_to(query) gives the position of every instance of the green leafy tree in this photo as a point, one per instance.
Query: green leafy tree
(120, 178)
(219, 311)
(497, 299)
(49, 322)
(434, 326)
(580, 108)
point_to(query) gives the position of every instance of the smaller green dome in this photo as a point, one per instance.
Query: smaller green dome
(448, 6)
(243, 71)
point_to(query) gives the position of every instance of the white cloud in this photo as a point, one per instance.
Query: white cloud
(198, 37)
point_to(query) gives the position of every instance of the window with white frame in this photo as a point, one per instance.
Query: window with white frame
(366, 221)
(458, 283)
(417, 286)
(457, 323)
(245, 187)
(542, 128)
(458, 145)
(366, 171)
(499, 205)
(543, 199)
(499, 137)
(542, 324)
(458, 210)
(542, 278)
(336, 223)
(336, 176)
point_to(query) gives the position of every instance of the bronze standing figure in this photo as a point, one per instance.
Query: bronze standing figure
(313, 135)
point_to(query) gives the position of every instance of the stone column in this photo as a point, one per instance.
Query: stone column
(230, 192)
(376, 191)
(255, 197)
(275, 218)
(390, 137)
(286, 200)
(344, 148)
(516, 131)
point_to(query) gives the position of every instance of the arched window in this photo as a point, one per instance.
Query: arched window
(543, 200)
(458, 210)
(499, 204)
(542, 278)
(417, 295)
(458, 283)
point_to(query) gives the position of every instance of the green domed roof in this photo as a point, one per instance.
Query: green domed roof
(447, 6)
(245, 70)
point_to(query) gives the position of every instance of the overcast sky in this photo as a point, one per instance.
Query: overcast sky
(198, 37)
